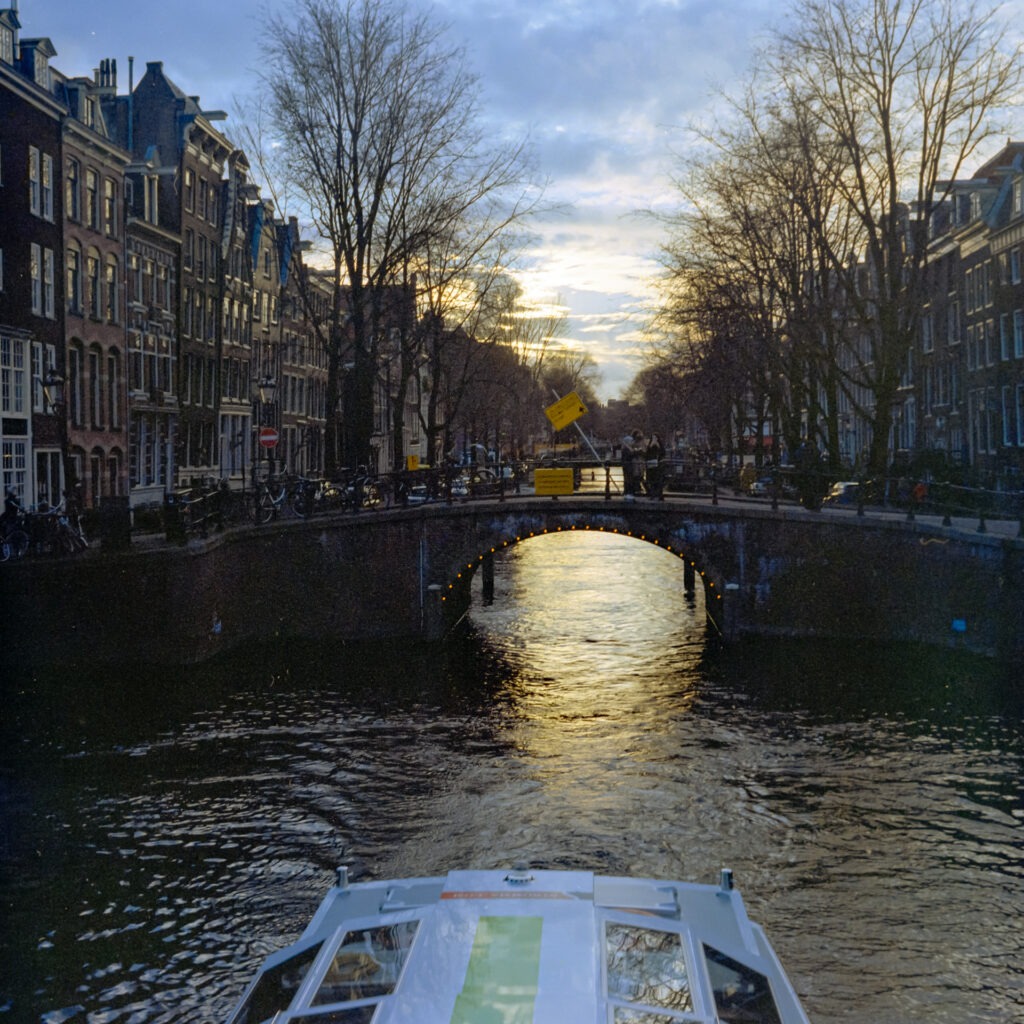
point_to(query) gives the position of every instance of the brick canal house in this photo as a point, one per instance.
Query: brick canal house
(31, 285)
(94, 247)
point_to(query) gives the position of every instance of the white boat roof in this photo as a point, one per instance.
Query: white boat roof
(525, 947)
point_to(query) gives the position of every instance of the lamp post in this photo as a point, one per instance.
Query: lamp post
(267, 387)
(54, 386)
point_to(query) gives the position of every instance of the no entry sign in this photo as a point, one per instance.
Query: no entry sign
(268, 437)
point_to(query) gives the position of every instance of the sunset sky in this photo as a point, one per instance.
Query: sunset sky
(603, 87)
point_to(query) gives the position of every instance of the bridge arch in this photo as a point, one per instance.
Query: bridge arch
(493, 536)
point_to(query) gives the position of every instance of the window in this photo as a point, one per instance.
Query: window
(202, 198)
(200, 257)
(72, 190)
(927, 339)
(95, 389)
(6, 45)
(1015, 266)
(12, 375)
(188, 249)
(48, 281)
(739, 990)
(92, 198)
(92, 265)
(953, 321)
(151, 199)
(109, 207)
(35, 266)
(1018, 196)
(75, 384)
(645, 966)
(113, 390)
(47, 188)
(1018, 333)
(112, 291)
(15, 455)
(133, 282)
(1004, 336)
(34, 184)
(190, 190)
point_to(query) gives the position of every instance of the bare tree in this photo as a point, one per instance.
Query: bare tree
(909, 90)
(372, 122)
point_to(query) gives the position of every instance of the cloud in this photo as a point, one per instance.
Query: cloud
(602, 87)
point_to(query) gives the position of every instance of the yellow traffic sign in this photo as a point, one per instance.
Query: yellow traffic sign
(565, 410)
(552, 482)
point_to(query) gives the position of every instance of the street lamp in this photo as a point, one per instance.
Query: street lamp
(54, 386)
(267, 387)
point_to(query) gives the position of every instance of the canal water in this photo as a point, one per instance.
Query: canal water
(163, 831)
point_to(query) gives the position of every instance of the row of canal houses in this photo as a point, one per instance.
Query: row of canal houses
(150, 319)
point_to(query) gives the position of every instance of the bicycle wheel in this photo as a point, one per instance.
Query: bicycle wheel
(302, 500)
(264, 509)
(16, 544)
(372, 496)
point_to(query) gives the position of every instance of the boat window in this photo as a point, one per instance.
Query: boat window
(741, 993)
(646, 965)
(348, 1015)
(275, 988)
(629, 1015)
(367, 963)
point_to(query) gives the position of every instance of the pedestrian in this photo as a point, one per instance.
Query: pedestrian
(628, 470)
(654, 456)
(639, 459)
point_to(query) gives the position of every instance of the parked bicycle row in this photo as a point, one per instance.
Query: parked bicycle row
(45, 530)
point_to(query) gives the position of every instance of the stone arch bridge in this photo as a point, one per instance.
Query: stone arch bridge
(407, 574)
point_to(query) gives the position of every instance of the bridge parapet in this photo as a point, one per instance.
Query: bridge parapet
(406, 573)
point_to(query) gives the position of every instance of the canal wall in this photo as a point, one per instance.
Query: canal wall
(406, 575)
(171, 604)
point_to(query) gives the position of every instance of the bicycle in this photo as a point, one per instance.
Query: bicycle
(55, 531)
(202, 508)
(14, 540)
(275, 493)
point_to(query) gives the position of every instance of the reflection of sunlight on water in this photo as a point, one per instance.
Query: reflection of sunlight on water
(600, 633)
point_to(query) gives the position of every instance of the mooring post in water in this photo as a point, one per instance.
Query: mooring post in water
(488, 577)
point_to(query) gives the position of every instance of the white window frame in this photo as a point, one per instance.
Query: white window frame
(34, 190)
(48, 284)
(35, 269)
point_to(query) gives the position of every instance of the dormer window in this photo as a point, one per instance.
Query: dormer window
(6, 45)
(1018, 196)
(41, 70)
(975, 205)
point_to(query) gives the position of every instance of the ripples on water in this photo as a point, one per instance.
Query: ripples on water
(162, 832)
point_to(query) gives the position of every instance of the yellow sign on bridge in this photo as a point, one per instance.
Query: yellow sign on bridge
(552, 482)
(565, 410)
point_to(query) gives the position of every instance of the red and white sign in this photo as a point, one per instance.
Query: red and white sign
(268, 437)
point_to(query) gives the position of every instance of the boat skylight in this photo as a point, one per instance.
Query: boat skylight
(647, 966)
(367, 963)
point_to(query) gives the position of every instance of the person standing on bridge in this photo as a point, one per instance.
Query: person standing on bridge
(630, 481)
(655, 454)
